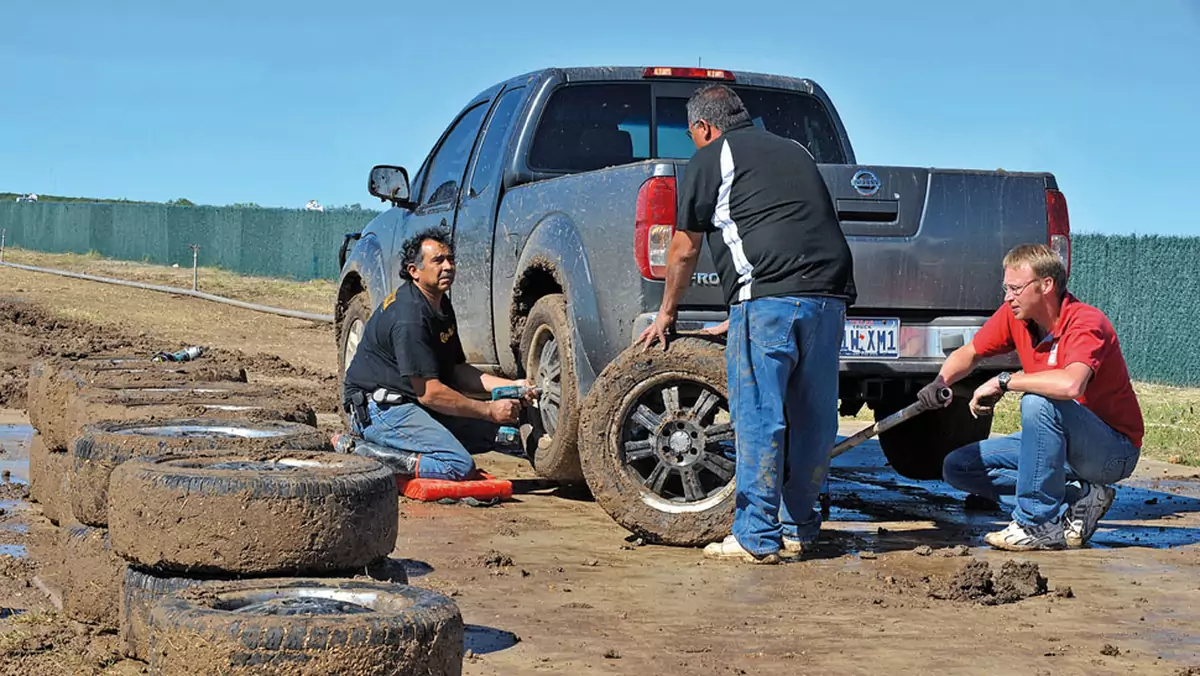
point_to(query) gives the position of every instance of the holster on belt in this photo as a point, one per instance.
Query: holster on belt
(356, 406)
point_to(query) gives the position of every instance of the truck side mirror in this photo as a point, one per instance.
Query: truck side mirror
(390, 184)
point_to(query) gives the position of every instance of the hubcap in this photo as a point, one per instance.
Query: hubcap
(548, 378)
(353, 338)
(678, 442)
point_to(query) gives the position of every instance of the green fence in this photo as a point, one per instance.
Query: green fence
(290, 243)
(1148, 286)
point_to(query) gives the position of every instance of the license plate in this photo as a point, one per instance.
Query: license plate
(871, 338)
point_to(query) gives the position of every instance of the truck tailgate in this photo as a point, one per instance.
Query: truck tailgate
(924, 240)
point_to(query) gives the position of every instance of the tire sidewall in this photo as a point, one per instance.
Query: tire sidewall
(559, 459)
(358, 309)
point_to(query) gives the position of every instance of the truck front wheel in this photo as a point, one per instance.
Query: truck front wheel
(547, 353)
(350, 334)
(917, 448)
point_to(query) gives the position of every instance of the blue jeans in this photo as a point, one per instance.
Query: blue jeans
(442, 441)
(1059, 442)
(782, 361)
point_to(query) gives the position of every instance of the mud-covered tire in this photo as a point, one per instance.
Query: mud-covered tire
(354, 321)
(266, 513)
(261, 627)
(102, 446)
(92, 575)
(652, 494)
(547, 355)
(49, 481)
(141, 590)
(219, 400)
(54, 382)
(917, 448)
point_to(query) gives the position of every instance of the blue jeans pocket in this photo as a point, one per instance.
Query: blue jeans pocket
(771, 320)
(1120, 468)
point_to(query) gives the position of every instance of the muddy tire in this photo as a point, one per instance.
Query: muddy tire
(350, 333)
(657, 446)
(59, 379)
(103, 445)
(221, 400)
(278, 513)
(547, 354)
(91, 577)
(49, 481)
(917, 448)
(306, 626)
(142, 590)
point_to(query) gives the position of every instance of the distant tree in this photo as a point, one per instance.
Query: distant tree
(181, 202)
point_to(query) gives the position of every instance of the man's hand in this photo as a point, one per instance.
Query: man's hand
(531, 393)
(657, 331)
(503, 411)
(985, 398)
(929, 394)
(718, 330)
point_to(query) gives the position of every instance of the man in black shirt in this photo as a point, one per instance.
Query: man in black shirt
(788, 277)
(405, 385)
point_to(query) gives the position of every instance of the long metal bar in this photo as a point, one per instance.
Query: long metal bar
(906, 413)
(295, 314)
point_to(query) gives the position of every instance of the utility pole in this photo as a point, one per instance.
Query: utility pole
(195, 270)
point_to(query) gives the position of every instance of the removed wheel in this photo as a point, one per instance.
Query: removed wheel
(49, 481)
(657, 444)
(142, 590)
(306, 626)
(917, 448)
(547, 351)
(103, 445)
(219, 400)
(278, 513)
(91, 576)
(350, 334)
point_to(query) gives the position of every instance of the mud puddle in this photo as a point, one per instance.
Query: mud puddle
(15, 551)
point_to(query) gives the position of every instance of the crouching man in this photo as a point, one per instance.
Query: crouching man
(406, 386)
(1081, 425)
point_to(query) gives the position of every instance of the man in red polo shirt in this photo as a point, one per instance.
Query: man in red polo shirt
(1081, 425)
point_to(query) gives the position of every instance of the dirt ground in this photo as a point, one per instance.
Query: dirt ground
(549, 584)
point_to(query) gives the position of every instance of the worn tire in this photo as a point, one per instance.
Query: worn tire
(103, 445)
(547, 355)
(917, 448)
(698, 364)
(381, 629)
(142, 590)
(265, 513)
(358, 311)
(59, 379)
(49, 481)
(222, 401)
(92, 576)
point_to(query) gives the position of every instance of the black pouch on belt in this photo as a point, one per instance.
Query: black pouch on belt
(358, 409)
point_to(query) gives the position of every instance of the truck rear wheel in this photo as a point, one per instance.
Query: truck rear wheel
(917, 448)
(657, 445)
(547, 352)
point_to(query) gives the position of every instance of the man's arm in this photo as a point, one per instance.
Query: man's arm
(681, 263)
(469, 379)
(436, 395)
(1064, 384)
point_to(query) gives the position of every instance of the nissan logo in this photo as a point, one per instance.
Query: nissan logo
(865, 182)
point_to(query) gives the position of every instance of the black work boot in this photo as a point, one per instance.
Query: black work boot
(402, 462)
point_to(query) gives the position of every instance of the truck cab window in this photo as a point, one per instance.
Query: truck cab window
(593, 126)
(491, 149)
(444, 171)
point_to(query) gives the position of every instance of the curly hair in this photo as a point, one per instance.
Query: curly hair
(411, 252)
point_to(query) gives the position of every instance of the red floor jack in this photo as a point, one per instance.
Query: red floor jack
(907, 413)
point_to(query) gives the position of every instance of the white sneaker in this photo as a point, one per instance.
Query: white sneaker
(1082, 517)
(730, 548)
(792, 548)
(1018, 538)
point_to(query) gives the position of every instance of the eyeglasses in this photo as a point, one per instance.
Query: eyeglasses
(689, 129)
(1015, 289)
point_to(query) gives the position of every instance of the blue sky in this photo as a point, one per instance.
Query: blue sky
(281, 102)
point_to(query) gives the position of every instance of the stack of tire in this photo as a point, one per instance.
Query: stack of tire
(206, 520)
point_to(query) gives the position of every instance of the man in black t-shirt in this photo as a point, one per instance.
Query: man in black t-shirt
(788, 276)
(405, 384)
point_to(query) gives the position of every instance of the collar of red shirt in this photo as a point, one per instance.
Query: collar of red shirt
(1067, 301)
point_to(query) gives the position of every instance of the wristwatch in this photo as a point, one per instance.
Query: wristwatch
(1003, 379)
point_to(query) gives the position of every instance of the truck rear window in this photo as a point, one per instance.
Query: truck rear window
(592, 126)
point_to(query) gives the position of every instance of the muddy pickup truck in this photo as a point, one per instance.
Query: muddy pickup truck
(560, 188)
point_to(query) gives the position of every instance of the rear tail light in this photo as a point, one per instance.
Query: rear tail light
(1058, 226)
(695, 73)
(655, 225)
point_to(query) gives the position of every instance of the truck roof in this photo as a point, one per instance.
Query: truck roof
(628, 73)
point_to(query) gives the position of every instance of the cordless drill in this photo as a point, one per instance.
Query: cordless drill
(508, 435)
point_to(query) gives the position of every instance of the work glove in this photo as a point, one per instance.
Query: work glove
(928, 394)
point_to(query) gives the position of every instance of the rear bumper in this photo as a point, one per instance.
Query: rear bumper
(924, 345)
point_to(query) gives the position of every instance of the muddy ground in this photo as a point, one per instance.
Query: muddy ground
(549, 584)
